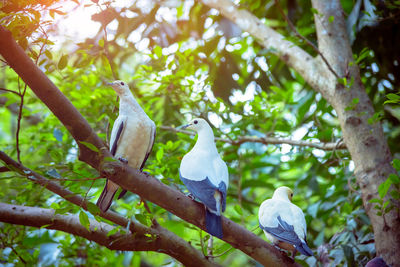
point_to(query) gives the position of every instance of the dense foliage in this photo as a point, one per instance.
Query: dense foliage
(184, 60)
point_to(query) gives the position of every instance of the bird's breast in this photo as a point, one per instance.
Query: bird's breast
(135, 141)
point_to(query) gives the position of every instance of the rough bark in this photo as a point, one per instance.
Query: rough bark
(145, 186)
(365, 142)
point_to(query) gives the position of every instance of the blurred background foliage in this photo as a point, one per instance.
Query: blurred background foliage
(184, 60)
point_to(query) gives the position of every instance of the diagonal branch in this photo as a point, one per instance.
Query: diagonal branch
(98, 231)
(172, 244)
(308, 42)
(130, 179)
(302, 62)
(267, 140)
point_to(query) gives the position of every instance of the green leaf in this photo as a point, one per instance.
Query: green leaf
(396, 164)
(393, 97)
(375, 200)
(110, 159)
(48, 54)
(363, 54)
(84, 220)
(375, 118)
(142, 219)
(101, 42)
(62, 63)
(315, 11)
(331, 19)
(90, 146)
(158, 51)
(92, 208)
(348, 253)
(238, 209)
(394, 178)
(384, 188)
(395, 194)
(160, 154)
(113, 231)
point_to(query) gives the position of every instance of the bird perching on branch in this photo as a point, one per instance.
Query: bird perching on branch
(284, 223)
(131, 141)
(206, 176)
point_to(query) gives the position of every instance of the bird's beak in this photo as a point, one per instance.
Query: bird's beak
(183, 126)
(110, 84)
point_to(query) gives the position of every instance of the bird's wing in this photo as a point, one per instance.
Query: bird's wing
(204, 190)
(204, 173)
(116, 133)
(299, 222)
(151, 143)
(276, 219)
(221, 171)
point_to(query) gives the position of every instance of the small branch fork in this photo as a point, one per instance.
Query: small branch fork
(268, 140)
(308, 42)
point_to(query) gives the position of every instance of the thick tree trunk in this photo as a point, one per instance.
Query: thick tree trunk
(365, 142)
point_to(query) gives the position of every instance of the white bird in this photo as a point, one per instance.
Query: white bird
(132, 139)
(206, 176)
(283, 222)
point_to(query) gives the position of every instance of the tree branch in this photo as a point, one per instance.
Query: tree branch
(365, 141)
(173, 245)
(267, 140)
(133, 180)
(295, 57)
(98, 231)
(308, 42)
(21, 105)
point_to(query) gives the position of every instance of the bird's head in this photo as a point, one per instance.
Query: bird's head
(284, 192)
(196, 125)
(119, 87)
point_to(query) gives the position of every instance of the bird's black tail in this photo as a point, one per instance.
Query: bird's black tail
(304, 249)
(213, 224)
(106, 198)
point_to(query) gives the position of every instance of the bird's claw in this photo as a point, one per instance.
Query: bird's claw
(123, 160)
(190, 195)
(145, 173)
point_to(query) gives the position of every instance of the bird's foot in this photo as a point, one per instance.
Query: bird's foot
(191, 196)
(294, 252)
(123, 160)
(145, 173)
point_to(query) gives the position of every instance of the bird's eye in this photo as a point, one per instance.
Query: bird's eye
(291, 194)
(122, 83)
(195, 122)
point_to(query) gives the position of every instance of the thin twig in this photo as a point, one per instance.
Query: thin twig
(19, 123)
(305, 39)
(21, 105)
(5, 244)
(267, 140)
(76, 180)
(221, 254)
(11, 91)
(147, 208)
